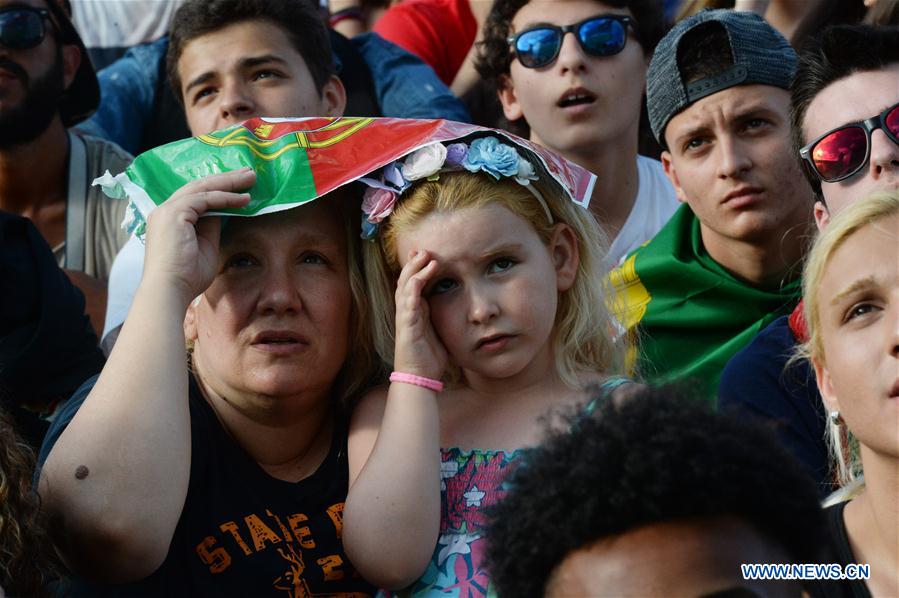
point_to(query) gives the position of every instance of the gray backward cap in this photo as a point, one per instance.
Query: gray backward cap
(761, 56)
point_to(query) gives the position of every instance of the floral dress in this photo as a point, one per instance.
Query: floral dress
(471, 481)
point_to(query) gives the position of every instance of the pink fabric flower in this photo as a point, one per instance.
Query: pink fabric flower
(378, 203)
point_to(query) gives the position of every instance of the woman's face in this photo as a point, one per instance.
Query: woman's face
(858, 300)
(275, 321)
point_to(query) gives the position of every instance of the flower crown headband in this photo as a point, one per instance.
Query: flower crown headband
(487, 154)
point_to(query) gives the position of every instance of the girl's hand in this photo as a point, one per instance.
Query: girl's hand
(418, 350)
(182, 248)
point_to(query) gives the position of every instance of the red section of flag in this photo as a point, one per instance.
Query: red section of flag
(343, 149)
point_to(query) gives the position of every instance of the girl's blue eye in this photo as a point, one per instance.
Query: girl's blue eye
(241, 260)
(859, 310)
(501, 264)
(313, 258)
(442, 286)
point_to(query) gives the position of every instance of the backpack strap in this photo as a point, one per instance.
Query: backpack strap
(76, 203)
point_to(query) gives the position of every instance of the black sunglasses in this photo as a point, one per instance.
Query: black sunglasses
(842, 152)
(22, 27)
(602, 35)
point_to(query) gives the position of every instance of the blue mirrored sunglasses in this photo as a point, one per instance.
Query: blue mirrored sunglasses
(601, 35)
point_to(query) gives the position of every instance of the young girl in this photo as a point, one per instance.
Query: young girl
(489, 279)
(852, 309)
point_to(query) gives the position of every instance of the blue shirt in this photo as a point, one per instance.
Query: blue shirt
(758, 381)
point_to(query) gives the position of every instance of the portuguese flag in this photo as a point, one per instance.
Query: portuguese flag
(298, 160)
(686, 314)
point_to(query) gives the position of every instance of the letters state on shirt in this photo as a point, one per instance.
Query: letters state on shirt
(257, 532)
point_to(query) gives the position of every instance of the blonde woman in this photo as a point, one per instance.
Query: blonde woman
(852, 308)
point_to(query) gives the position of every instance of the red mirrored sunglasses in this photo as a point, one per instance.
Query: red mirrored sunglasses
(841, 153)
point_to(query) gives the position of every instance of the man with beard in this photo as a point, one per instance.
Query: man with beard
(47, 85)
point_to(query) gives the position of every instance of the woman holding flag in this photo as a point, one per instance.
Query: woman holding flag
(224, 474)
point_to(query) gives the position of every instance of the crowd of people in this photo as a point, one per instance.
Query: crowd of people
(431, 298)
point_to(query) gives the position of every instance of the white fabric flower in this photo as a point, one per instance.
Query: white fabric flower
(526, 172)
(424, 162)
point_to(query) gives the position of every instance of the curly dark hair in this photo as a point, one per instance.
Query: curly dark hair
(27, 560)
(659, 455)
(298, 18)
(836, 53)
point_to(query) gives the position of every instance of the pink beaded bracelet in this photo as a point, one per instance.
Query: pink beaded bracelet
(429, 383)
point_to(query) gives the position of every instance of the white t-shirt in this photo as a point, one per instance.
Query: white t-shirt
(654, 206)
(122, 23)
(124, 277)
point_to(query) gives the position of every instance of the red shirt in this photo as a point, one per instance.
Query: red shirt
(440, 32)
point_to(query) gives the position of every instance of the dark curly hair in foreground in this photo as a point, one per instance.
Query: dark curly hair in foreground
(658, 456)
(27, 560)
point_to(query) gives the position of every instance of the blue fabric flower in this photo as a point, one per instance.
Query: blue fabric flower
(493, 157)
(369, 229)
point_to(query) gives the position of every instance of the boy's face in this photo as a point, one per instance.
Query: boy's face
(730, 159)
(250, 69)
(854, 98)
(578, 101)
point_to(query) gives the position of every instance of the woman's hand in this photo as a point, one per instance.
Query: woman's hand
(418, 350)
(182, 248)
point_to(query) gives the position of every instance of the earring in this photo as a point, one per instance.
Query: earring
(835, 418)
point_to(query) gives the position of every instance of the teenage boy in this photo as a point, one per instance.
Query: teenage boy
(845, 106)
(230, 60)
(139, 109)
(726, 264)
(581, 95)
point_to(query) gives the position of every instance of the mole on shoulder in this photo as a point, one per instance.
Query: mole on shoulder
(81, 472)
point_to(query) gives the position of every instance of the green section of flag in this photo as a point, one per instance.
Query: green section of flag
(283, 173)
(690, 315)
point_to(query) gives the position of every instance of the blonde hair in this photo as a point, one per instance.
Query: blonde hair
(582, 332)
(361, 367)
(843, 445)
